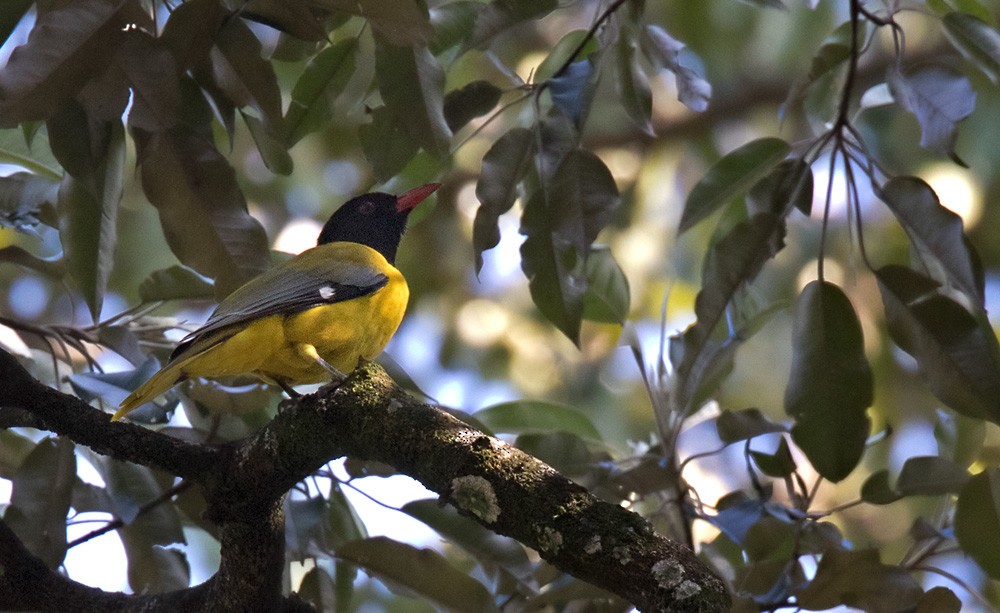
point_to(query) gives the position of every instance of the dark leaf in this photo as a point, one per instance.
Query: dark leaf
(504, 166)
(631, 83)
(734, 426)
(564, 451)
(322, 80)
(54, 268)
(175, 283)
(730, 177)
(858, 579)
(152, 568)
(607, 299)
(770, 538)
(397, 22)
(939, 600)
(575, 45)
(955, 352)
(151, 71)
(472, 100)
(940, 98)
(452, 23)
(69, 44)
(295, 18)
(22, 196)
(832, 54)
(319, 590)
(779, 464)
(521, 416)
(387, 144)
(412, 86)
(976, 40)
(930, 476)
(935, 232)
(246, 77)
(977, 520)
(572, 91)
(959, 438)
(202, 210)
(789, 185)
(666, 52)
(88, 221)
(830, 387)
(191, 30)
(877, 490)
(731, 263)
(41, 491)
(499, 15)
(419, 571)
(271, 147)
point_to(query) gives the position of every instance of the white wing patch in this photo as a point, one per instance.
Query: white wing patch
(327, 293)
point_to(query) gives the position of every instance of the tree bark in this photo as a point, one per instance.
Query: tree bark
(367, 417)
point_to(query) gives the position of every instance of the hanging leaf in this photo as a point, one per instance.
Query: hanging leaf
(735, 426)
(607, 299)
(832, 54)
(472, 100)
(41, 490)
(504, 166)
(977, 520)
(412, 86)
(955, 352)
(499, 15)
(830, 387)
(175, 283)
(69, 44)
(88, 218)
(324, 77)
(272, 149)
(453, 24)
(395, 22)
(387, 144)
(730, 177)
(631, 83)
(730, 264)
(418, 571)
(572, 90)
(939, 600)
(666, 52)
(779, 464)
(151, 72)
(939, 98)
(959, 438)
(246, 77)
(859, 579)
(877, 490)
(294, 18)
(976, 40)
(789, 185)
(935, 232)
(930, 476)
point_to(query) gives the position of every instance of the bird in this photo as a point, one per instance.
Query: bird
(311, 318)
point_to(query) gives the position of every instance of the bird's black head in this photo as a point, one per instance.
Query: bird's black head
(376, 220)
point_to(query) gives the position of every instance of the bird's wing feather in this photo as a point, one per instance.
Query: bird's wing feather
(286, 289)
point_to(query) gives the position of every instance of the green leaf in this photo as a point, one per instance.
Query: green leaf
(858, 579)
(831, 55)
(830, 387)
(665, 51)
(319, 590)
(632, 85)
(69, 44)
(564, 451)
(521, 416)
(419, 571)
(293, 18)
(22, 197)
(150, 70)
(53, 268)
(939, 98)
(202, 210)
(730, 177)
(735, 426)
(246, 77)
(607, 299)
(939, 600)
(954, 351)
(959, 438)
(41, 491)
(500, 15)
(789, 185)
(730, 264)
(977, 520)
(976, 40)
(398, 23)
(935, 232)
(561, 52)
(779, 464)
(273, 150)
(770, 538)
(484, 545)
(88, 216)
(152, 568)
(930, 476)
(452, 23)
(877, 490)
(767, 4)
(504, 166)
(387, 145)
(472, 100)
(324, 77)
(412, 86)
(175, 283)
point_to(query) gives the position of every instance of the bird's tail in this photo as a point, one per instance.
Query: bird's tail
(157, 384)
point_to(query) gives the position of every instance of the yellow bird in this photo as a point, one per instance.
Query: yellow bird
(311, 318)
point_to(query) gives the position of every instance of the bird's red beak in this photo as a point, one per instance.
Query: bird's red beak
(409, 200)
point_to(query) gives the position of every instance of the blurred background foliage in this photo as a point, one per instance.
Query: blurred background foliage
(472, 341)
